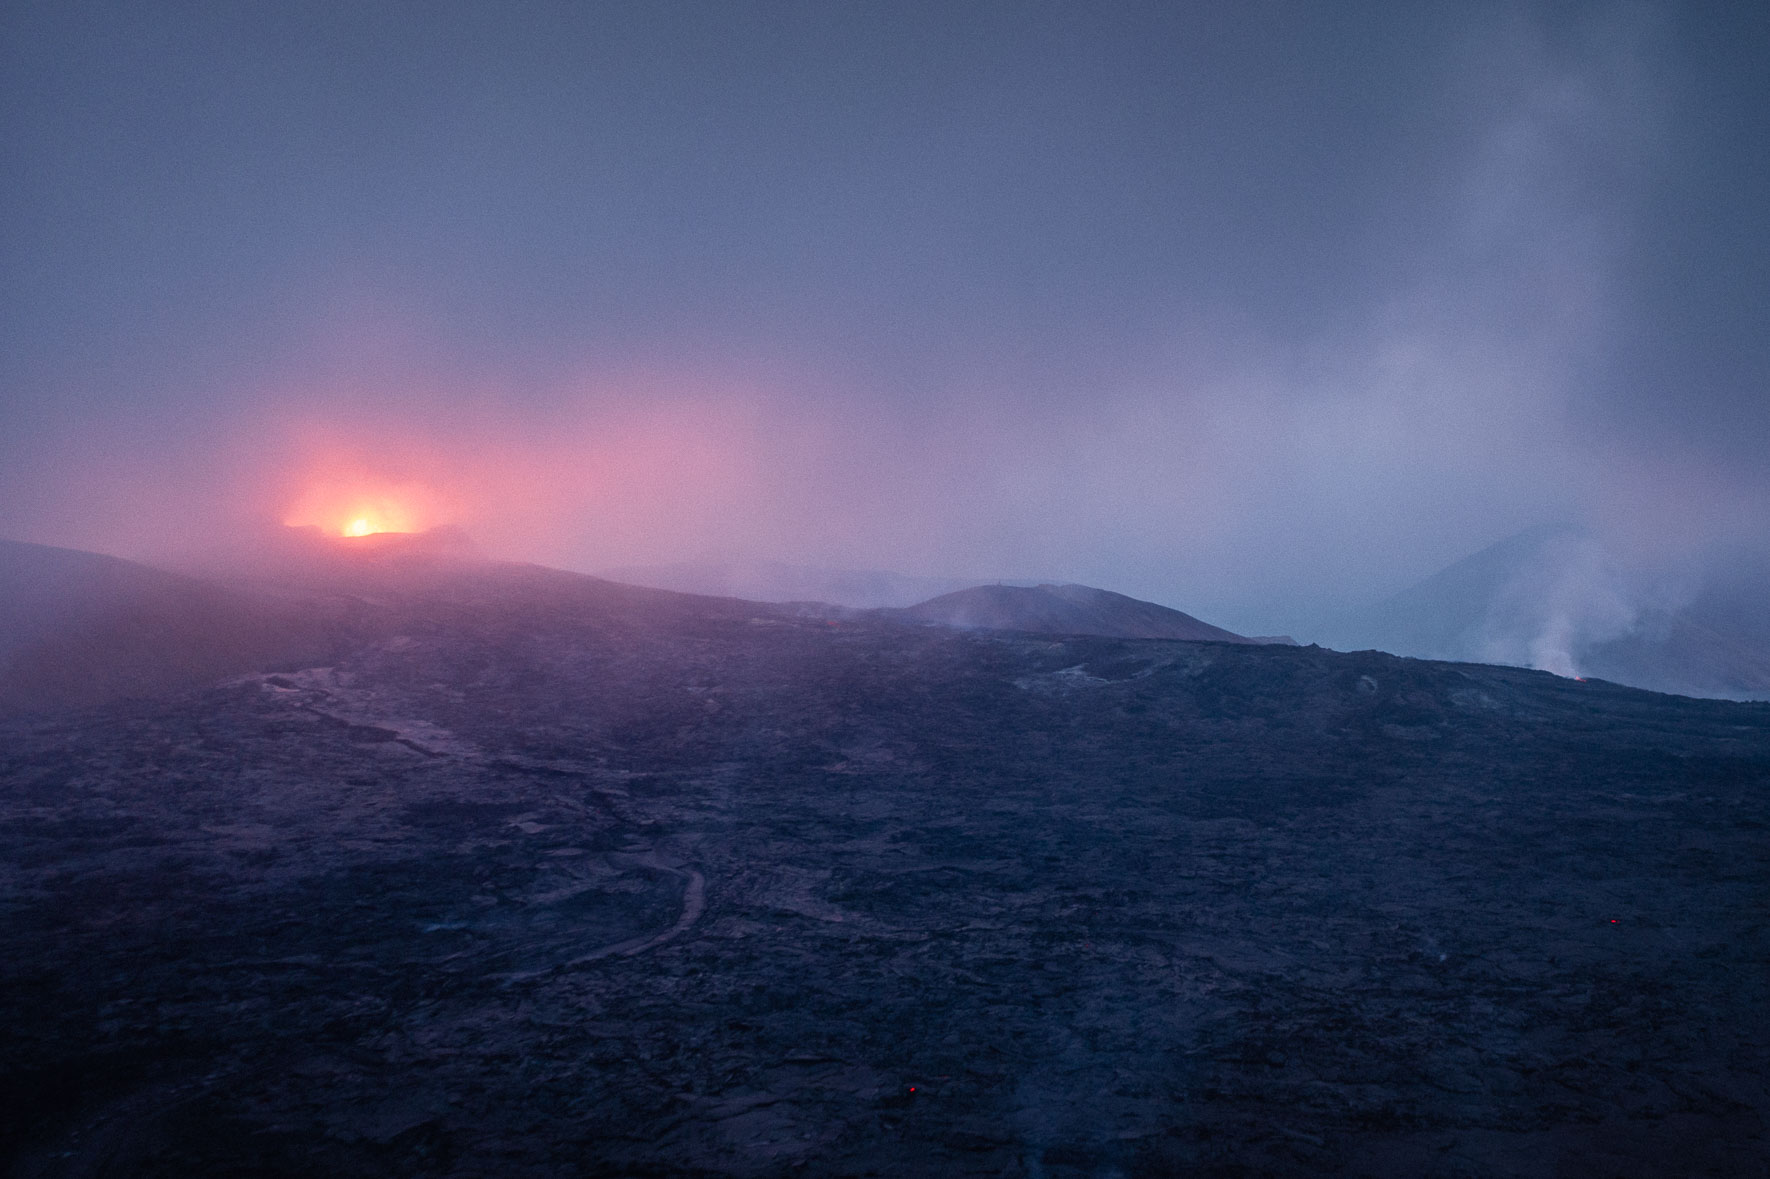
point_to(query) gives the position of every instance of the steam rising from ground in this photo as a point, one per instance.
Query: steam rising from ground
(1571, 599)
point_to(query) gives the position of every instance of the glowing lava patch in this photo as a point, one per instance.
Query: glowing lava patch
(369, 524)
(351, 513)
(370, 519)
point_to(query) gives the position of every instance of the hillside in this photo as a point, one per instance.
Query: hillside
(1064, 610)
(538, 874)
(78, 629)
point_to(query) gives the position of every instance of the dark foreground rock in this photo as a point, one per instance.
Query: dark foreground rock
(540, 887)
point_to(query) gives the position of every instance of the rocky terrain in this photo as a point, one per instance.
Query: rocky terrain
(539, 875)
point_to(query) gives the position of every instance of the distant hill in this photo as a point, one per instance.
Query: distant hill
(1554, 598)
(1716, 642)
(1475, 609)
(774, 581)
(1065, 610)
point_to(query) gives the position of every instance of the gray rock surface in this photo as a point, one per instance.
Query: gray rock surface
(553, 877)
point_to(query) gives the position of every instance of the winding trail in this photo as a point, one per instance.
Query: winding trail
(694, 903)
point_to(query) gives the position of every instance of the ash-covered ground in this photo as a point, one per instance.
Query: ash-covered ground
(548, 877)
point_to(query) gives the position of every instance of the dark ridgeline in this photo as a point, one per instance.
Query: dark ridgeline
(524, 873)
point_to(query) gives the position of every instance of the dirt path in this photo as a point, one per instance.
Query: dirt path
(694, 903)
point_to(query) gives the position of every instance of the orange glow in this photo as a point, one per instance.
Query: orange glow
(370, 521)
(616, 472)
(347, 510)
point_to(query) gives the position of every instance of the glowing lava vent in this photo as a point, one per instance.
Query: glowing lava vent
(375, 518)
(352, 514)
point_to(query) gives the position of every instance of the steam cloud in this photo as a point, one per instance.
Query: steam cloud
(1573, 599)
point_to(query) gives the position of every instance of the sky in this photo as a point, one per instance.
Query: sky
(1257, 310)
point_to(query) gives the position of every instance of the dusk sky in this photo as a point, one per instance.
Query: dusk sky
(1251, 309)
